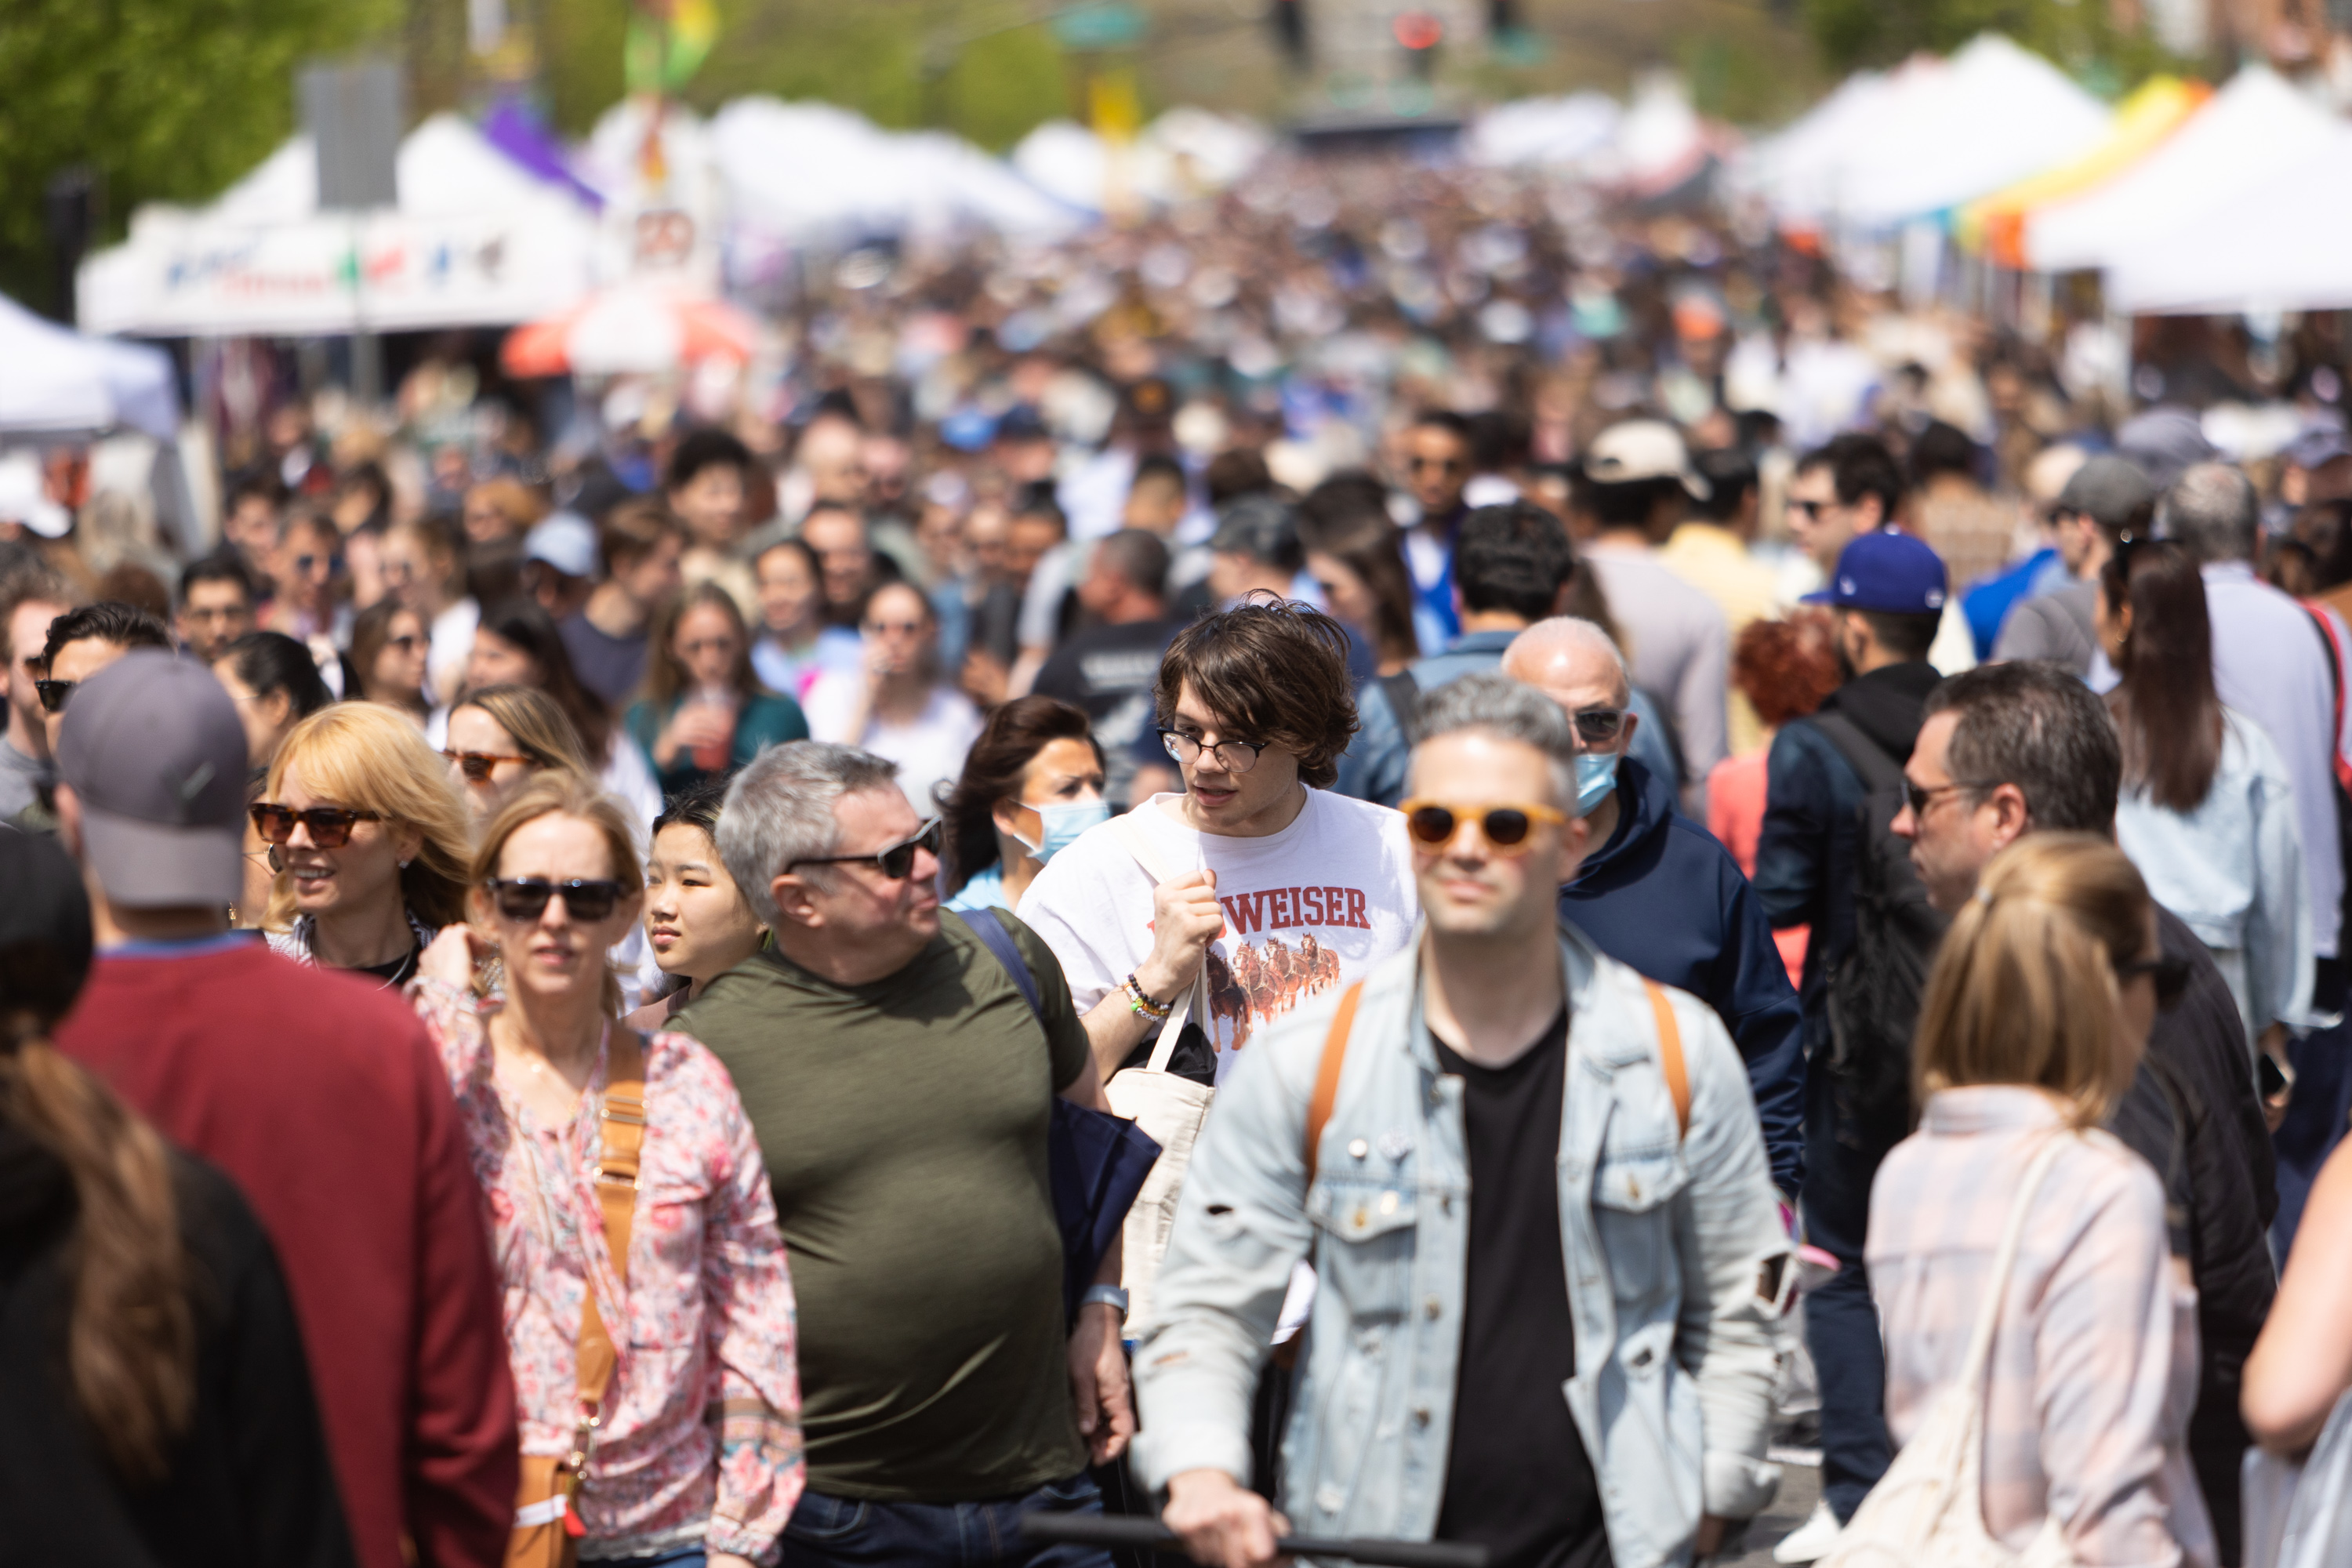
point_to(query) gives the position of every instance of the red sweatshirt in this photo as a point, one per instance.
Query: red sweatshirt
(322, 1097)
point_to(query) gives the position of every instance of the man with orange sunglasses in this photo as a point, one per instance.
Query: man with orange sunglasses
(1531, 1187)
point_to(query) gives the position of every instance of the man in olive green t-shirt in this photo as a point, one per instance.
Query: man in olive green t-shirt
(902, 1091)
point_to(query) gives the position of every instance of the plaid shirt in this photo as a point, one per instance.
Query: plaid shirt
(2094, 1363)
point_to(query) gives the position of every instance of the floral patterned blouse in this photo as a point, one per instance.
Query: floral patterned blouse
(701, 1437)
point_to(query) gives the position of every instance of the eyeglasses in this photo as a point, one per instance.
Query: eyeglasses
(404, 644)
(303, 563)
(476, 765)
(2170, 974)
(525, 898)
(53, 694)
(1599, 726)
(1507, 829)
(1919, 798)
(897, 861)
(1186, 747)
(331, 825)
(884, 628)
(1811, 510)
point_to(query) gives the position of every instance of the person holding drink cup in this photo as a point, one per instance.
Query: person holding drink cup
(704, 712)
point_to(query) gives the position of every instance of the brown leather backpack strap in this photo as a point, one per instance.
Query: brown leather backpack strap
(1326, 1075)
(1670, 1056)
(621, 1131)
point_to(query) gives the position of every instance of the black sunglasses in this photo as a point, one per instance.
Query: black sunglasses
(897, 861)
(2170, 974)
(525, 898)
(331, 825)
(1599, 726)
(53, 694)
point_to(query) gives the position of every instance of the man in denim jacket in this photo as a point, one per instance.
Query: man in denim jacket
(1541, 1324)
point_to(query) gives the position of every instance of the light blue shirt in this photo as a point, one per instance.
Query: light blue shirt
(2233, 870)
(2271, 666)
(985, 891)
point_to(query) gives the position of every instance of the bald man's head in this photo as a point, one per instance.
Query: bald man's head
(1575, 664)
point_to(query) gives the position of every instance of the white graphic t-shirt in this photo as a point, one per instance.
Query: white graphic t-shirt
(1307, 910)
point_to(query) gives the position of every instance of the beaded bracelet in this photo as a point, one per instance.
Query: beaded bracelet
(1143, 1007)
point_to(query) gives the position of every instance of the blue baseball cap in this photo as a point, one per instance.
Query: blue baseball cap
(1889, 572)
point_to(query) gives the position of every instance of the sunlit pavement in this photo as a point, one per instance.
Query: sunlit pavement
(1800, 1487)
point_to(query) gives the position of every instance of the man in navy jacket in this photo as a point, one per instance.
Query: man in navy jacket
(1660, 894)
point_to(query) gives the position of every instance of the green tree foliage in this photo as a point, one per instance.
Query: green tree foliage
(164, 100)
(2079, 34)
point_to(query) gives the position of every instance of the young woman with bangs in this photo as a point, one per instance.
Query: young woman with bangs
(629, 1206)
(370, 841)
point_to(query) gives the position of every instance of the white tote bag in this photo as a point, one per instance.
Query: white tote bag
(2299, 1515)
(1167, 1106)
(1927, 1509)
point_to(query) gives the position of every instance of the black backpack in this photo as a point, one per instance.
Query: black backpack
(1875, 992)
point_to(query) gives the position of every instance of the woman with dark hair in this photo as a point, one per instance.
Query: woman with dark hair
(388, 652)
(518, 645)
(795, 645)
(1032, 784)
(704, 713)
(1357, 564)
(276, 685)
(155, 1403)
(697, 921)
(898, 705)
(2207, 811)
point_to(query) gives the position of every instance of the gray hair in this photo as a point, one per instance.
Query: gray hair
(780, 809)
(2212, 512)
(1491, 702)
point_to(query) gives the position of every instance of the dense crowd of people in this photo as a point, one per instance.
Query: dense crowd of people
(1672, 857)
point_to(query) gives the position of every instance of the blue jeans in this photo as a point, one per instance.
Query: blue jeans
(1841, 1322)
(851, 1532)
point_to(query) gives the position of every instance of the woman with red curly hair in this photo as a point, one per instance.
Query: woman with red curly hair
(1786, 669)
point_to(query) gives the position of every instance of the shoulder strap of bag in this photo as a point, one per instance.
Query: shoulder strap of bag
(983, 924)
(1327, 1073)
(2335, 684)
(1195, 1000)
(1979, 1358)
(621, 1116)
(1868, 759)
(1670, 1056)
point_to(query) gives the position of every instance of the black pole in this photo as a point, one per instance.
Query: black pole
(70, 208)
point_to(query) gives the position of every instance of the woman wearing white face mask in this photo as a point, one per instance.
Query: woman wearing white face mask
(1032, 784)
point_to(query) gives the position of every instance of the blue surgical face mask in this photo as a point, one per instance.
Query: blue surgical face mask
(1596, 776)
(1064, 821)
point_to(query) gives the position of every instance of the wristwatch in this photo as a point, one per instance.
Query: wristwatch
(1106, 1295)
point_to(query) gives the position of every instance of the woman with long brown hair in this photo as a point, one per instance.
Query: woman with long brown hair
(1359, 566)
(388, 652)
(1030, 784)
(694, 1446)
(2035, 1017)
(501, 737)
(517, 644)
(2206, 809)
(155, 1403)
(704, 712)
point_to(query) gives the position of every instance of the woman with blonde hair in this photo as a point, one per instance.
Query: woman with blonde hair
(2034, 1020)
(500, 738)
(370, 841)
(694, 1450)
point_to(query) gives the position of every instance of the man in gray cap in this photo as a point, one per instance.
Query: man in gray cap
(322, 1099)
(2106, 500)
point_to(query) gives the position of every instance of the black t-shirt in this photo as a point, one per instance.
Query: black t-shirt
(1517, 1480)
(1101, 666)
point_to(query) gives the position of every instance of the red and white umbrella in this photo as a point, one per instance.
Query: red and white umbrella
(642, 328)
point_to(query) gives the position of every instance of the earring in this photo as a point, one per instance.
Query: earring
(403, 865)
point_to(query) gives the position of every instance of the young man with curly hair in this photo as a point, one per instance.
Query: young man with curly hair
(1281, 888)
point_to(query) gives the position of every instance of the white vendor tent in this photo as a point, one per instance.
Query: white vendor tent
(58, 381)
(2280, 242)
(2255, 126)
(476, 240)
(1184, 152)
(1883, 150)
(812, 172)
(1545, 133)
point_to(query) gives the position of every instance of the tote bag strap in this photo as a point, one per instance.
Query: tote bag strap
(621, 1116)
(1194, 1001)
(1980, 1358)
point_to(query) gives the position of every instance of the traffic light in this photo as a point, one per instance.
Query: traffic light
(1419, 33)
